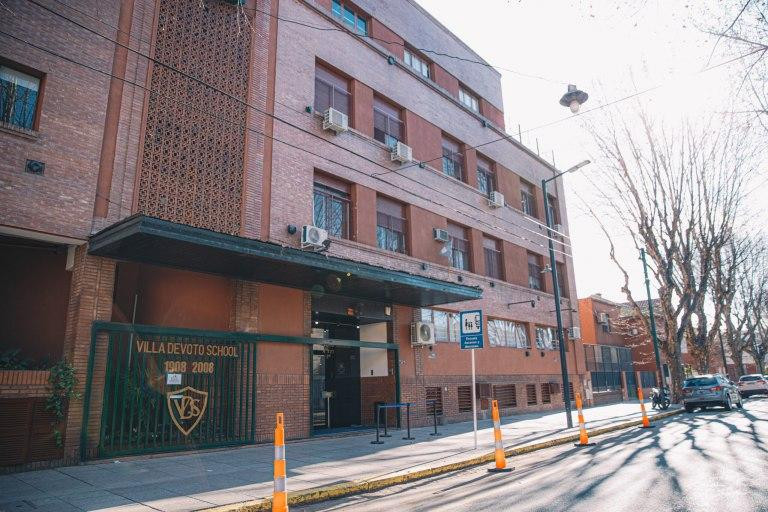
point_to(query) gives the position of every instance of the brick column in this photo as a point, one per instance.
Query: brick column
(470, 165)
(90, 299)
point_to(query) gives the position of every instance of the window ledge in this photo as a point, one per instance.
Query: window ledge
(18, 131)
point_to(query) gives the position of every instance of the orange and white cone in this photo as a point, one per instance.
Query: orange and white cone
(646, 422)
(280, 494)
(501, 458)
(583, 437)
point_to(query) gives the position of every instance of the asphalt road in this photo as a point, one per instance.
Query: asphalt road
(713, 461)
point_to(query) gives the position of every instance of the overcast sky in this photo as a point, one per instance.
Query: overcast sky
(610, 50)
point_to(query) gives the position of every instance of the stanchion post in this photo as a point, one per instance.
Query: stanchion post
(408, 421)
(646, 421)
(280, 494)
(385, 434)
(378, 417)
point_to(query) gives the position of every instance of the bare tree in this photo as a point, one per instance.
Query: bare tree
(751, 312)
(677, 193)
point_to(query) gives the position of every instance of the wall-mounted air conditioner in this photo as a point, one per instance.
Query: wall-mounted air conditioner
(335, 121)
(574, 333)
(602, 318)
(496, 199)
(313, 237)
(441, 235)
(401, 153)
(558, 228)
(422, 334)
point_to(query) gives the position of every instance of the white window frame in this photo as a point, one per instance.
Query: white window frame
(469, 100)
(416, 63)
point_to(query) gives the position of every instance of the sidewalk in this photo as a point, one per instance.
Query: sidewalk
(196, 481)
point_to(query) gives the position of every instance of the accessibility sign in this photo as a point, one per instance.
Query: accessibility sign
(471, 332)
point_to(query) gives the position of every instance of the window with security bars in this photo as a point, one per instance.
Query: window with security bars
(465, 398)
(530, 394)
(387, 124)
(534, 271)
(546, 338)
(486, 181)
(390, 225)
(505, 394)
(453, 160)
(528, 199)
(434, 400)
(331, 207)
(505, 333)
(446, 324)
(459, 245)
(18, 98)
(331, 91)
(546, 393)
(493, 262)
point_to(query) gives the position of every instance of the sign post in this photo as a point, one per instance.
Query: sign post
(471, 329)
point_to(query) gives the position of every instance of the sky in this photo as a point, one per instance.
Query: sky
(610, 49)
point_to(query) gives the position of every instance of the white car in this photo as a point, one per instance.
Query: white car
(754, 384)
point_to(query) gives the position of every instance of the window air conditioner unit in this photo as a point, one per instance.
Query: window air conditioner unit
(441, 235)
(496, 200)
(602, 318)
(422, 334)
(335, 120)
(312, 236)
(574, 333)
(558, 228)
(401, 153)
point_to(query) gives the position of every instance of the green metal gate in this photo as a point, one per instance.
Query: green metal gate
(171, 389)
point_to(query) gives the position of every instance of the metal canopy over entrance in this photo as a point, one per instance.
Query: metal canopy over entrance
(150, 240)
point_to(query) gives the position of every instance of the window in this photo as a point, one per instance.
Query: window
(647, 379)
(465, 398)
(453, 162)
(534, 271)
(446, 324)
(530, 394)
(528, 198)
(18, 98)
(457, 241)
(546, 338)
(606, 364)
(561, 280)
(387, 126)
(546, 393)
(350, 17)
(505, 394)
(493, 262)
(552, 205)
(434, 400)
(486, 182)
(331, 206)
(607, 324)
(468, 99)
(505, 333)
(416, 63)
(390, 225)
(331, 91)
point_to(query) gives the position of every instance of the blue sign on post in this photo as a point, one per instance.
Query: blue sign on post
(471, 329)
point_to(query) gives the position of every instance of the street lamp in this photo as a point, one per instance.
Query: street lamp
(574, 98)
(556, 288)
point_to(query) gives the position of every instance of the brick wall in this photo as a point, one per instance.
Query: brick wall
(24, 383)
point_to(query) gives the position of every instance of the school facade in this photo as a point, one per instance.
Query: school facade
(165, 166)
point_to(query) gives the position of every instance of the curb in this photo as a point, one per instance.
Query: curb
(319, 494)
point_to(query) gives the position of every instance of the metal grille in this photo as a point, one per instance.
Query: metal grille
(530, 393)
(505, 394)
(167, 391)
(435, 400)
(465, 398)
(192, 164)
(546, 394)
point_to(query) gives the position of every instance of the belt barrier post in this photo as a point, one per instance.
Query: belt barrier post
(501, 458)
(408, 421)
(386, 414)
(646, 422)
(378, 417)
(583, 437)
(280, 494)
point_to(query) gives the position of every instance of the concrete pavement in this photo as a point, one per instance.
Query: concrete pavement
(194, 481)
(706, 461)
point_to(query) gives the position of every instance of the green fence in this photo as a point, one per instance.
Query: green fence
(165, 390)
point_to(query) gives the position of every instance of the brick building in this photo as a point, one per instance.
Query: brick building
(163, 158)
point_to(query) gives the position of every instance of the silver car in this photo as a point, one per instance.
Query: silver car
(708, 391)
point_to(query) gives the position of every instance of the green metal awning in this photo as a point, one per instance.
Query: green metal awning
(146, 239)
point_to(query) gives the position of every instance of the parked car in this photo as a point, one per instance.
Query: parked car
(709, 391)
(753, 384)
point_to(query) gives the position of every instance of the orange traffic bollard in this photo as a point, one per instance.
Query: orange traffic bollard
(646, 422)
(501, 458)
(280, 494)
(583, 437)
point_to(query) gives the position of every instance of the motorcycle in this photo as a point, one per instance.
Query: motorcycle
(660, 398)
